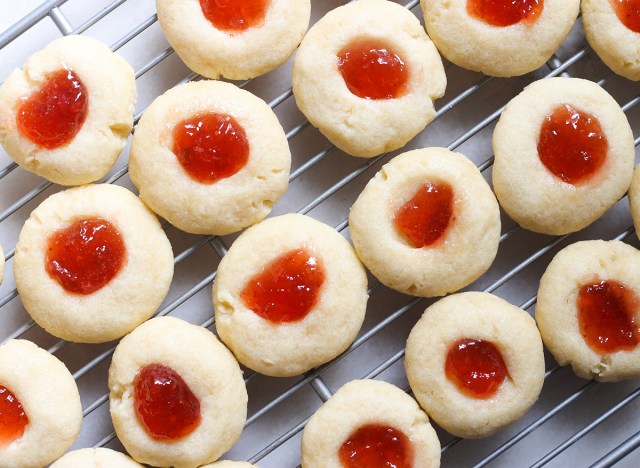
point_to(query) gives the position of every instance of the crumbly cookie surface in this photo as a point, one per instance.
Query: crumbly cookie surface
(95, 458)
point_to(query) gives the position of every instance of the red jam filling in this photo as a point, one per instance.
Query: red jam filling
(210, 147)
(85, 256)
(572, 145)
(13, 419)
(424, 219)
(376, 446)
(606, 316)
(505, 12)
(372, 70)
(476, 367)
(54, 114)
(287, 289)
(235, 15)
(164, 404)
(628, 12)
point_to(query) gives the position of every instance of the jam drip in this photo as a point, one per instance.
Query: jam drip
(505, 12)
(234, 16)
(425, 218)
(164, 404)
(210, 147)
(376, 446)
(372, 70)
(13, 419)
(54, 114)
(628, 12)
(85, 256)
(476, 367)
(287, 289)
(572, 145)
(606, 316)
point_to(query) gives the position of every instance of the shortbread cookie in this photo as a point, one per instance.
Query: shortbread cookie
(475, 363)
(237, 39)
(210, 158)
(177, 396)
(39, 404)
(427, 224)
(67, 114)
(366, 76)
(634, 198)
(289, 295)
(588, 309)
(613, 31)
(564, 155)
(96, 458)
(369, 423)
(499, 38)
(92, 263)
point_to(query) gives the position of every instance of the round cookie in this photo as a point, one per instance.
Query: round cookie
(317, 317)
(258, 37)
(616, 44)
(634, 198)
(530, 193)
(362, 403)
(362, 126)
(49, 398)
(479, 317)
(209, 371)
(511, 50)
(95, 458)
(61, 303)
(563, 304)
(59, 155)
(222, 202)
(465, 248)
(229, 464)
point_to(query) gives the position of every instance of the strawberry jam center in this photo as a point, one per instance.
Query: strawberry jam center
(376, 446)
(476, 367)
(424, 219)
(287, 289)
(628, 12)
(54, 114)
(164, 404)
(85, 256)
(13, 419)
(210, 147)
(505, 12)
(572, 145)
(372, 70)
(235, 15)
(606, 316)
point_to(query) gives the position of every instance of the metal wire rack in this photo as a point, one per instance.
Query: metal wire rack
(574, 423)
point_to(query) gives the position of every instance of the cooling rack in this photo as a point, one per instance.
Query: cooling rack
(574, 423)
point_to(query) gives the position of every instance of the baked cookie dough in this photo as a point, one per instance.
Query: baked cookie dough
(50, 401)
(333, 295)
(634, 198)
(256, 37)
(96, 458)
(616, 44)
(62, 304)
(530, 193)
(512, 50)
(226, 201)
(486, 320)
(465, 247)
(579, 279)
(361, 404)
(97, 82)
(363, 126)
(212, 376)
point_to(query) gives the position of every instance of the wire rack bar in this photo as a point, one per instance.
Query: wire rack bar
(28, 21)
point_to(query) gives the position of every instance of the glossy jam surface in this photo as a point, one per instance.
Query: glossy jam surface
(164, 404)
(13, 419)
(85, 256)
(425, 218)
(505, 12)
(606, 312)
(210, 147)
(234, 16)
(376, 446)
(54, 114)
(628, 12)
(287, 289)
(476, 367)
(372, 70)
(572, 145)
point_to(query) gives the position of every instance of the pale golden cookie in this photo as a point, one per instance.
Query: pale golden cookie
(634, 198)
(95, 458)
